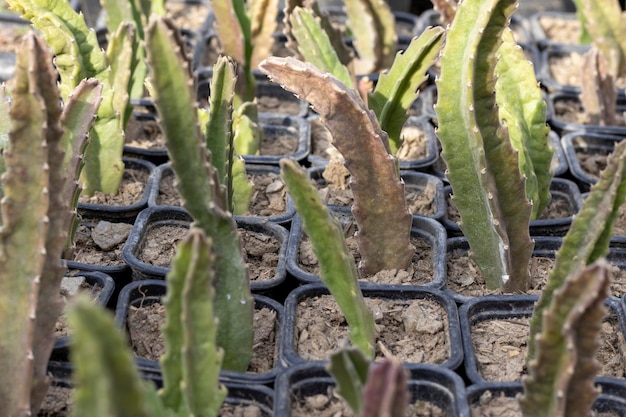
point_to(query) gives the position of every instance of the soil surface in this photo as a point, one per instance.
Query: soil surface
(269, 195)
(145, 323)
(260, 251)
(130, 192)
(99, 242)
(411, 330)
(465, 278)
(420, 272)
(501, 346)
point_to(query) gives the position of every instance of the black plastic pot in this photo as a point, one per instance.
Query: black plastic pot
(156, 217)
(257, 395)
(122, 212)
(539, 34)
(440, 387)
(107, 285)
(557, 103)
(147, 292)
(423, 227)
(560, 188)
(421, 124)
(290, 356)
(283, 219)
(611, 400)
(506, 307)
(274, 127)
(414, 182)
(588, 142)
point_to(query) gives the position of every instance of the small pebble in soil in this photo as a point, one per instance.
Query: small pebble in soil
(108, 235)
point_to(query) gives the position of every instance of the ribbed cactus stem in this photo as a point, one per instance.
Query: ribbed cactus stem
(349, 367)
(25, 225)
(588, 237)
(560, 381)
(598, 92)
(233, 27)
(605, 23)
(483, 167)
(315, 45)
(78, 56)
(263, 25)
(398, 87)
(386, 392)
(373, 26)
(198, 184)
(337, 269)
(106, 379)
(192, 361)
(77, 119)
(522, 108)
(380, 207)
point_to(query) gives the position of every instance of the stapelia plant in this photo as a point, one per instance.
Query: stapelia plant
(245, 31)
(36, 216)
(604, 26)
(494, 139)
(107, 381)
(337, 269)
(380, 208)
(370, 23)
(78, 56)
(370, 389)
(561, 377)
(566, 322)
(198, 183)
(121, 12)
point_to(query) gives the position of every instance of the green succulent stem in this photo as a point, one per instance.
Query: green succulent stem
(36, 218)
(483, 166)
(192, 360)
(398, 87)
(588, 237)
(107, 381)
(337, 268)
(198, 184)
(78, 56)
(561, 377)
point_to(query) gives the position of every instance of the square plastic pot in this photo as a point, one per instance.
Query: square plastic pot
(291, 357)
(122, 212)
(147, 292)
(283, 218)
(156, 217)
(422, 227)
(589, 142)
(506, 307)
(428, 383)
(415, 181)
